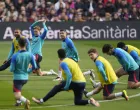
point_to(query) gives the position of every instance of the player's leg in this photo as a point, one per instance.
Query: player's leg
(91, 73)
(17, 86)
(59, 77)
(51, 93)
(95, 91)
(5, 65)
(108, 92)
(78, 89)
(133, 79)
(94, 83)
(120, 72)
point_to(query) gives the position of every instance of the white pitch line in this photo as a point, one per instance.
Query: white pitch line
(53, 106)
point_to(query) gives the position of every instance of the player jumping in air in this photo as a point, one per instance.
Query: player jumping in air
(37, 44)
(127, 62)
(73, 80)
(19, 67)
(106, 76)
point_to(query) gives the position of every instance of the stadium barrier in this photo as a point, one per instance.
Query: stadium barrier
(83, 31)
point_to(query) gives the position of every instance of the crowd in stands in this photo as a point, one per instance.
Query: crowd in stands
(69, 10)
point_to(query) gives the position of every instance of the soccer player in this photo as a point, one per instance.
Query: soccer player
(106, 76)
(19, 67)
(127, 62)
(14, 48)
(73, 80)
(37, 44)
(133, 51)
(71, 52)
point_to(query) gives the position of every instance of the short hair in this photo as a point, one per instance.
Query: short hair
(37, 27)
(92, 50)
(61, 53)
(121, 45)
(62, 30)
(22, 42)
(18, 30)
(106, 48)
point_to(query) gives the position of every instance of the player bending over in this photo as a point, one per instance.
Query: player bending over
(106, 76)
(73, 80)
(14, 48)
(127, 62)
(133, 51)
(37, 44)
(19, 67)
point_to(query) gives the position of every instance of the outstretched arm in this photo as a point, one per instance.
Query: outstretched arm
(43, 35)
(11, 52)
(66, 70)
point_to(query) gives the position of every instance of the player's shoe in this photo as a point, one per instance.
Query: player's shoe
(37, 100)
(27, 105)
(92, 74)
(53, 73)
(18, 104)
(125, 95)
(93, 83)
(94, 102)
(85, 93)
(57, 79)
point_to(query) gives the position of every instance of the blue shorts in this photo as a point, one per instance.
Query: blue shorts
(133, 76)
(108, 89)
(18, 84)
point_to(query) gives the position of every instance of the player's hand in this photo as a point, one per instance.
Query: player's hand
(106, 79)
(66, 88)
(5, 61)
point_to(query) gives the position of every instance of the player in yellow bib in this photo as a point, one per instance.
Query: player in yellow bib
(73, 80)
(107, 77)
(14, 48)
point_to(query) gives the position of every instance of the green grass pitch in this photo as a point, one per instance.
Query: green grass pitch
(39, 86)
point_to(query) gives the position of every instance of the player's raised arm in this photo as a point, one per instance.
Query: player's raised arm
(11, 52)
(66, 70)
(100, 67)
(28, 46)
(43, 35)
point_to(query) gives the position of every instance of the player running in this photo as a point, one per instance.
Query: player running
(127, 62)
(106, 76)
(73, 80)
(71, 52)
(14, 48)
(19, 67)
(37, 44)
(133, 51)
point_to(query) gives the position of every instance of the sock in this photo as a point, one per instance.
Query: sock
(90, 93)
(59, 74)
(18, 101)
(86, 72)
(89, 101)
(47, 72)
(23, 99)
(118, 94)
(41, 100)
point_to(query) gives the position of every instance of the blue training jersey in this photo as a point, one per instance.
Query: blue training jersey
(19, 64)
(37, 41)
(70, 49)
(125, 59)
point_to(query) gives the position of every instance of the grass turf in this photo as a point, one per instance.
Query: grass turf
(39, 86)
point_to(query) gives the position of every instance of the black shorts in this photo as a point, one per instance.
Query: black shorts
(38, 59)
(108, 89)
(133, 76)
(18, 84)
